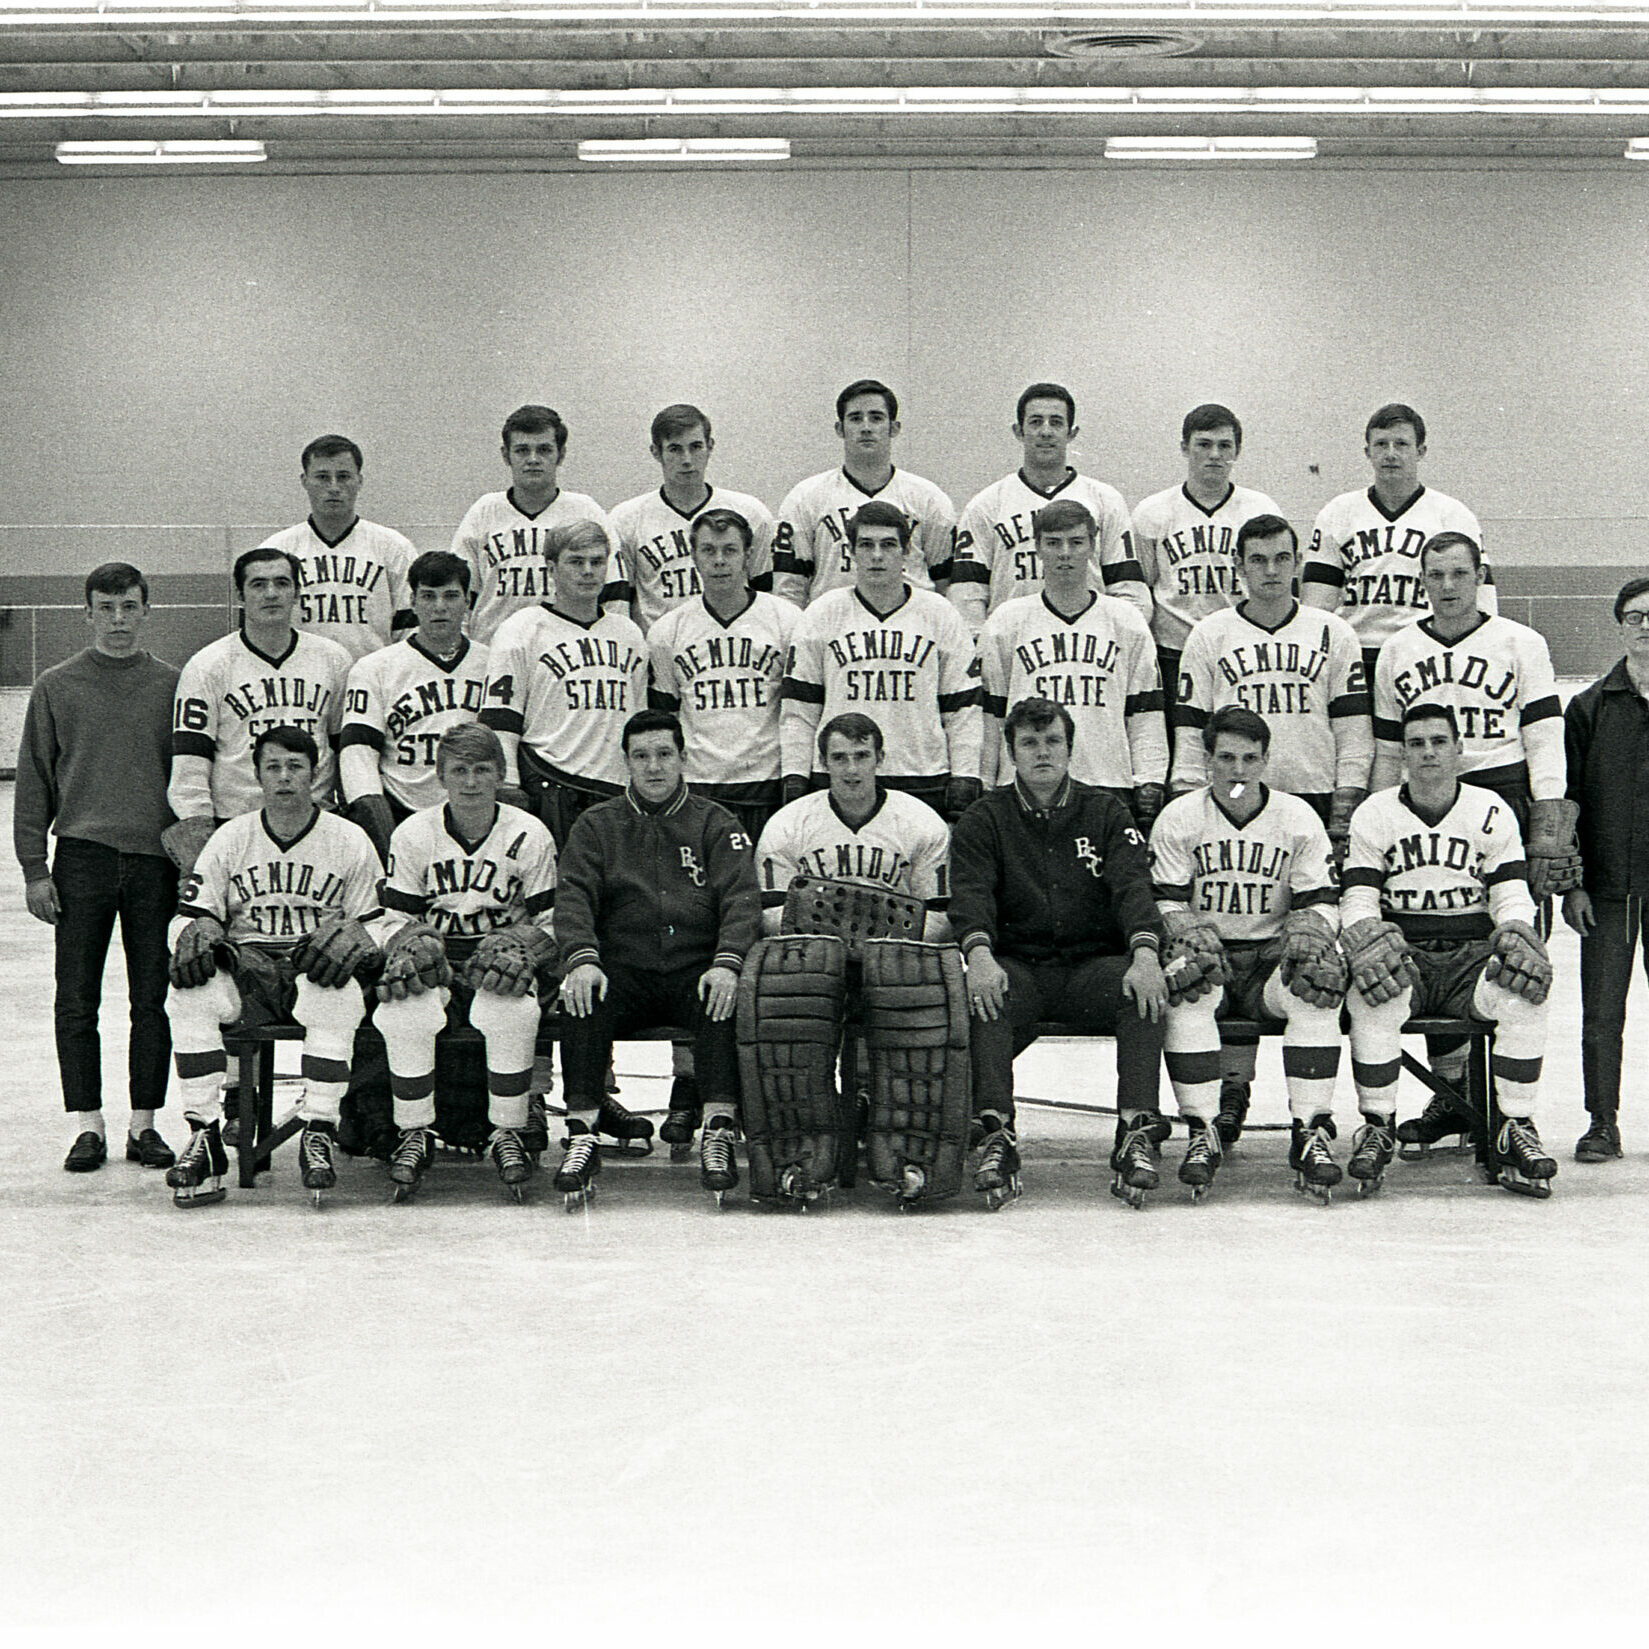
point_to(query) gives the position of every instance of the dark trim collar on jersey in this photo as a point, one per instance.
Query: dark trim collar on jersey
(1069, 618)
(1230, 817)
(333, 543)
(882, 618)
(1269, 629)
(732, 619)
(1391, 515)
(277, 659)
(1048, 492)
(1407, 799)
(288, 843)
(1199, 506)
(531, 515)
(447, 664)
(673, 803)
(1027, 803)
(449, 823)
(697, 509)
(1428, 626)
(881, 798)
(870, 492)
(582, 623)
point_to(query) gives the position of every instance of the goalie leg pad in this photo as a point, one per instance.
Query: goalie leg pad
(921, 1090)
(791, 993)
(855, 912)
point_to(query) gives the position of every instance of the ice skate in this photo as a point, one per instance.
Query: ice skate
(1600, 1142)
(1202, 1158)
(621, 1130)
(718, 1165)
(409, 1160)
(683, 1121)
(1441, 1120)
(1234, 1094)
(315, 1159)
(997, 1175)
(1371, 1151)
(1135, 1156)
(913, 1181)
(196, 1178)
(510, 1158)
(1524, 1166)
(580, 1163)
(1316, 1173)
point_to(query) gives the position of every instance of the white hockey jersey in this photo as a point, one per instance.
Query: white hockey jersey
(399, 702)
(903, 846)
(654, 539)
(1101, 665)
(351, 591)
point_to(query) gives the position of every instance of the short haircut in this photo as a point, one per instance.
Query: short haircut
(677, 419)
(117, 577)
(1061, 516)
(533, 419)
(878, 514)
(1045, 392)
(720, 521)
(283, 737)
(1430, 710)
(854, 726)
(1207, 417)
(653, 721)
(1438, 542)
(1629, 591)
(1037, 714)
(867, 386)
(332, 446)
(471, 740)
(436, 568)
(575, 535)
(1241, 723)
(1391, 415)
(265, 552)
(1265, 526)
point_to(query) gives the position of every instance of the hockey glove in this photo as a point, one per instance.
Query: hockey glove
(415, 961)
(1519, 963)
(1554, 852)
(336, 952)
(184, 840)
(375, 816)
(960, 795)
(1148, 800)
(1345, 802)
(1193, 961)
(195, 958)
(1380, 960)
(503, 964)
(1312, 966)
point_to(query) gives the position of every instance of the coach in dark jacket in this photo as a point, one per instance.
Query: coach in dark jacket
(1606, 731)
(1051, 903)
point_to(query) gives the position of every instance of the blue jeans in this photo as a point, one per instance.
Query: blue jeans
(1605, 979)
(95, 884)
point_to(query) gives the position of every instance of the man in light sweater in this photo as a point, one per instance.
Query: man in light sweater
(92, 769)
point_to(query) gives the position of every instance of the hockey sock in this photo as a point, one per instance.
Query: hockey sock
(1311, 1057)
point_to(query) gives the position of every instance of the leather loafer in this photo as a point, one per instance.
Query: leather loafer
(149, 1149)
(89, 1151)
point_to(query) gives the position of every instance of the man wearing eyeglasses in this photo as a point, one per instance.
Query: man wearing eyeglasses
(1606, 734)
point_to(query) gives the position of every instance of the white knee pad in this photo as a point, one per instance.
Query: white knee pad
(1307, 1023)
(330, 1017)
(199, 1013)
(409, 1028)
(1377, 1028)
(509, 1026)
(1520, 1023)
(1191, 1027)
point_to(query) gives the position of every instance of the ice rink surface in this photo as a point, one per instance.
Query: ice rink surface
(1423, 1411)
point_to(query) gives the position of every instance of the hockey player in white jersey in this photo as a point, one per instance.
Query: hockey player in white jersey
(812, 544)
(896, 652)
(467, 937)
(1436, 918)
(272, 927)
(562, 680)
(1186, 537)
(503, 534)
(1086, 651)
(402, 698)
(267, 674)
(997, 558)
(655, 531)
(1246, 887)
(352, 573)
(1364, 557)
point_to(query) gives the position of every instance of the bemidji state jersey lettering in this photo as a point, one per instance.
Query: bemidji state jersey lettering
(904, 846)
(352, 591)
(505, 549)
(228, 694)
(399, 702)
(1457, 877)
(914, 672)
(655, 539)
(1100, 665)
(467, 890)
(1192, 552)
(996, 554)
(1371, 559)
(267, 892)
(724, 681)
(1498, 681)
(565, 690)
(1305, 678)
(1247, 877)
(811, 554)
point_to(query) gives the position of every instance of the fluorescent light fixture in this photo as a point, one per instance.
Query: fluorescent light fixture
(121, 153)
(1211, 148)
(685, 148)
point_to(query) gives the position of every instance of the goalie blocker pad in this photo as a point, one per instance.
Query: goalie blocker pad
(921, 1085)
(791, 994)
(853, 911)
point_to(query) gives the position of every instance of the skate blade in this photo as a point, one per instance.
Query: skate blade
(1199, 1193)
(399, 1192)
(1323, 1194)
(682, 1152)
(1540, 1189)
(198, 1196)
(316, 1195)
(999, 1196)
(628, 1147)
(1412, 1150)
(572, 1201)
(1133, 1195)
(1367, 1187)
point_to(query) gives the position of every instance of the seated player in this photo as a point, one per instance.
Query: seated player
(271, 929)
(470, 882)
(656, 905)
(1246, 888)
(1437, 918)
(1051, 902)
